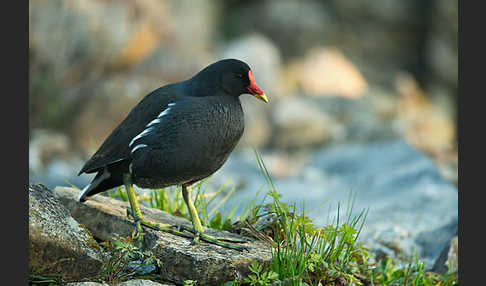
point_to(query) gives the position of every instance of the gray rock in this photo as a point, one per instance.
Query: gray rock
(299, 123)
(448, 259)
(205, 263)
(441, 53)
(58, 245)
(45, 145)
(394, 12)
(142, 282)
(137, 282)
(326, 71)
(434, 241)
(363, 118)
(86, 284)
(412, 208)
(282, 22)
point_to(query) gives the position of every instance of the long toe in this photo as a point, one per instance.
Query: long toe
(174, 229)
(222, 242)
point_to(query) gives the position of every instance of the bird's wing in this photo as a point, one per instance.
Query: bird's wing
(116, 148)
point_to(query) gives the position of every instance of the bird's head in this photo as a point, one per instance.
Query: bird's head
(233, 76)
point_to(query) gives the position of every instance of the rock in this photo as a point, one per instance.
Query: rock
(257, 127)
(44, 146)
(448, 260)
(137, 282)
(281, 164)
(52, 159)
(86, 284)
(326, 71)
(412, 208)
(394, 12)
(441, 44)
(58, 244)
(199, 32)
(424, 125)
(109, 34)
(371, 117)
(433, 242)
(142, 282)
(205, 263)
(299, 123)
(282, 22)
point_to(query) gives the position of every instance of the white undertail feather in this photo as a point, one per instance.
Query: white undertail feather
(93, 184)
(83, 192)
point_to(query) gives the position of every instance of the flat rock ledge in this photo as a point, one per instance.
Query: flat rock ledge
(205, 263)
(141, 282)
(59, 245)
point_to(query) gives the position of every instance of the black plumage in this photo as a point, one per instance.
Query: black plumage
(178, 134)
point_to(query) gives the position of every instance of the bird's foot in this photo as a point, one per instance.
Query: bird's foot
(221, 241)
(179, 230)
(138, 234)
(174, 229)
(229, 239)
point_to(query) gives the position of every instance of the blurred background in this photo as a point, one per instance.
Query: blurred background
(361, 92)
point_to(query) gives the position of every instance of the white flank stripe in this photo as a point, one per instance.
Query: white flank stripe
(155, 121)
(149, 127)
(143, 133)
(165, 112)
(137, 147)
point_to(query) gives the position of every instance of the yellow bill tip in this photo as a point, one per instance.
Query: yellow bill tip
(262, 97)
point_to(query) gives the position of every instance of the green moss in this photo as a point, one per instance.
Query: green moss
(91, 242)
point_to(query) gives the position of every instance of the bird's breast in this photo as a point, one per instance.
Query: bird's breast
(227, 126)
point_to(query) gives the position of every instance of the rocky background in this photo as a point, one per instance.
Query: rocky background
(363, 98)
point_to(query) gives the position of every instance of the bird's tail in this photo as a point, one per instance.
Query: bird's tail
(103, 181)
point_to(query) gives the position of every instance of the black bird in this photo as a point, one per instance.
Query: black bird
(178, 134)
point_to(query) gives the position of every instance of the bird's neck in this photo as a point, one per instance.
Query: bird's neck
(199, 85)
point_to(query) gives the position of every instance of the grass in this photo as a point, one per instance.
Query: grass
(302, 253)
(120, 266)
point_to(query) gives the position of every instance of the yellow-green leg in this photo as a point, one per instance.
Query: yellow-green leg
(198, 228)
(136, 213)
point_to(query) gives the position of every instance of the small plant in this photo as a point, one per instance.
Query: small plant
(388, 273)
(125, 260)
(260, 277)
(189, 283)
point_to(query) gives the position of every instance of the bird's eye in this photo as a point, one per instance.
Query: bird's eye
(239, 75)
